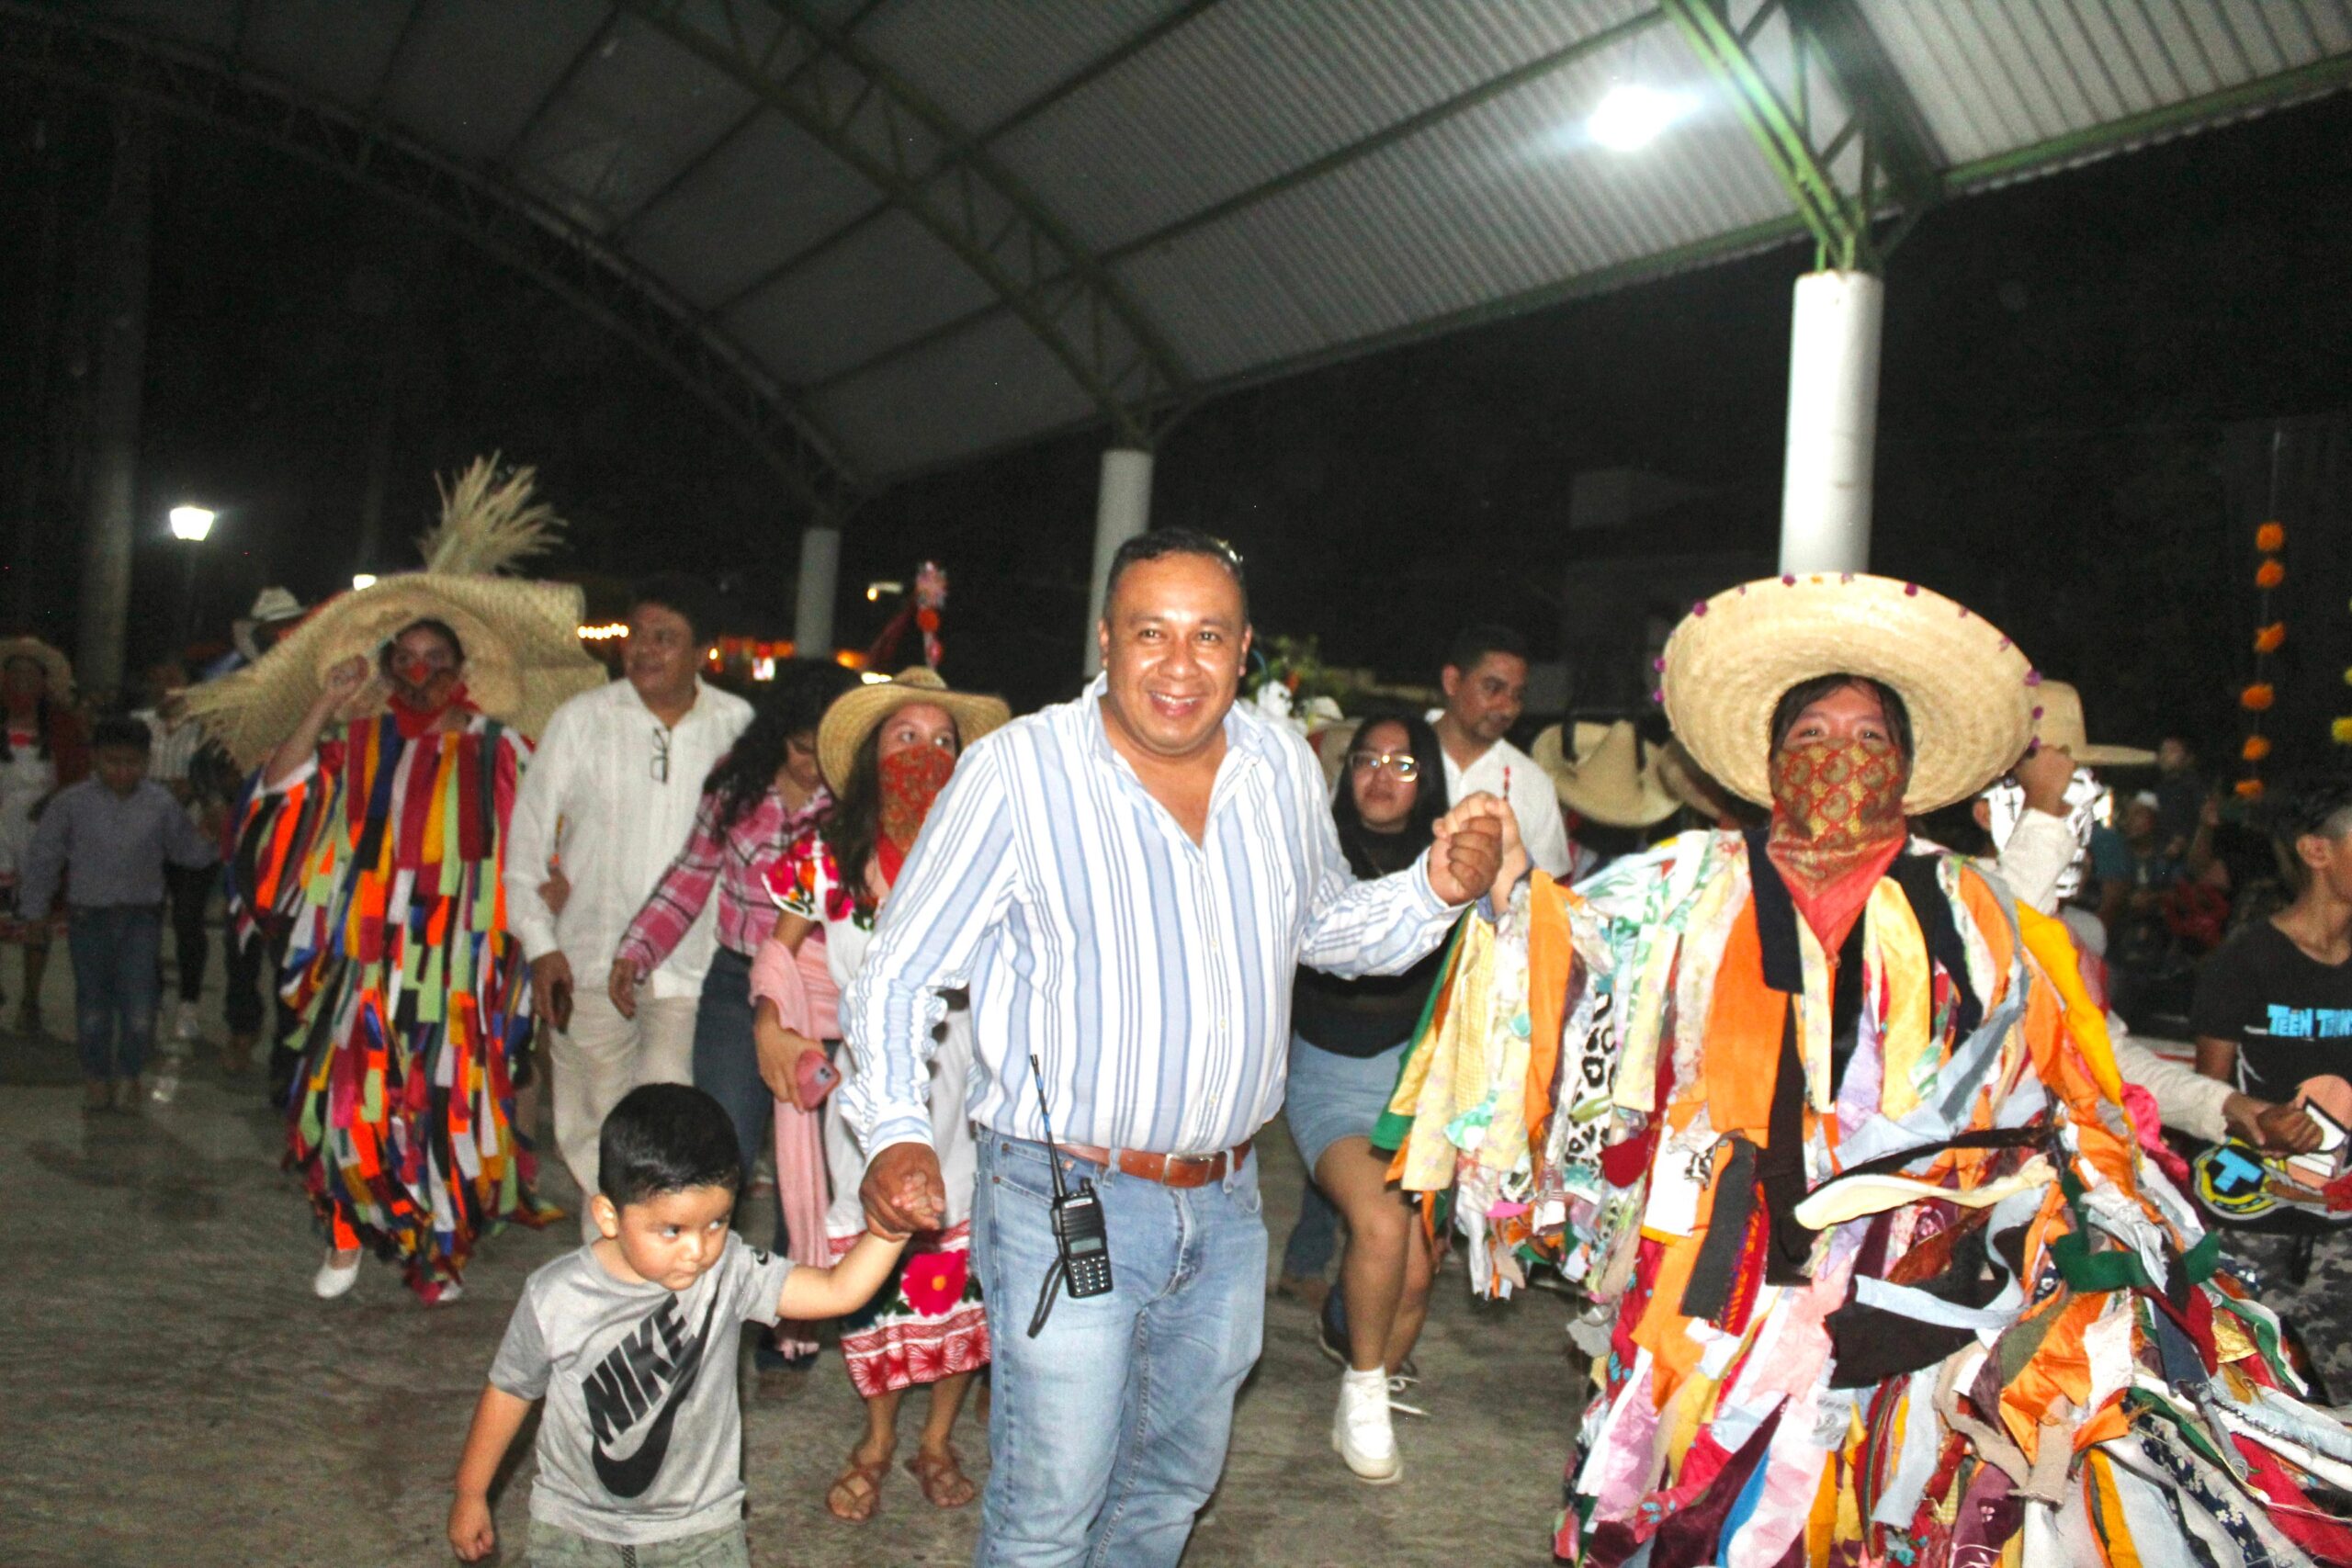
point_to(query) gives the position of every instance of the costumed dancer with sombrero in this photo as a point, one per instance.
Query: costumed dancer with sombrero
(390, 728)
(1827, 1127)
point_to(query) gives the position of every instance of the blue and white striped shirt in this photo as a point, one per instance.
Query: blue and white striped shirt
(1151, 975)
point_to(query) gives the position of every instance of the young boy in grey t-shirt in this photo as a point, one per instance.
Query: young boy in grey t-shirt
(631, 1341)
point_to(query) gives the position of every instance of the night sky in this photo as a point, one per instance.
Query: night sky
(2081, 383)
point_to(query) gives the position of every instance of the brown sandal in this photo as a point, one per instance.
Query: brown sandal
(846, 1501)
(943, 1483)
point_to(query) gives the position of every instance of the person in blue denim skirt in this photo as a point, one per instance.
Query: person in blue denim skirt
(1123, 885)
(113, 834)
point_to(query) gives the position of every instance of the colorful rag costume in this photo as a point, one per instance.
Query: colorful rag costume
(927, 1322)
(1880, 1275)
(381, 858)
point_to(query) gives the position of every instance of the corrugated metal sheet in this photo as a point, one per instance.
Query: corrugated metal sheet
(1508, 197)
(203, 24)
(767, 194)
(886, 283)
(336, 46)
(469, 76)
(985, 387)
(1996, 75)
(635, 108)
(982, 63)
(1255, 88)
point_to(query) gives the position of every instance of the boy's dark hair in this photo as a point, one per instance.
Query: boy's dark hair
(693, 599)
(2316, 805)
(1160, 543)
(126, 733)
(665, 1137)
(1804, 693)
(1471, 644)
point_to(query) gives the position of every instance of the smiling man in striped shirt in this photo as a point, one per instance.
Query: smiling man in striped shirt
(1125, 885)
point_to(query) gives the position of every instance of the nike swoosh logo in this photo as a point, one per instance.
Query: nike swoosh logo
(629, 1477)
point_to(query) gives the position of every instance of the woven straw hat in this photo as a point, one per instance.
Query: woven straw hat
(2062, 724)
(1689, 783)
(857, 714)
(1605, 780)
(521, 639)
(1973, 696)
(54, 664)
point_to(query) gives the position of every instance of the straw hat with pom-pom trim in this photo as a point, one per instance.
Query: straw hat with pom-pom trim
(1971, 696)
(54, 665)
(523, 657)
(2062, 724)
(857, 714)
(1605, 780)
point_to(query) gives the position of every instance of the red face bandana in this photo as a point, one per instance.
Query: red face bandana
(438, 691)
(911, 781)
(1836, 825)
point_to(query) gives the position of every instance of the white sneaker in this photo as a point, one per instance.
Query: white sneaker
(333, 1280)
(188, 1028)
(1360, 1428)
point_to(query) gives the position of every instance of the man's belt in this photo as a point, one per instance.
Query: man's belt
(1168, 1170)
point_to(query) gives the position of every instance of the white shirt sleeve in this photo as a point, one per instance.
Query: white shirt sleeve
(2186, 1098)
(2039, 849)
(1541, 826)
(530, 836)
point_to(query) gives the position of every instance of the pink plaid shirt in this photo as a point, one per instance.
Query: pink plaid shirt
(737, 862)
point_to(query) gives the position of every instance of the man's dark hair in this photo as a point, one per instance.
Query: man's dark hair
(441, 629)
(120, 730)
(689, 596)
(1161, 543)
(665, 1137)
(1471, 644)
(2315, 804)
(1804, 693)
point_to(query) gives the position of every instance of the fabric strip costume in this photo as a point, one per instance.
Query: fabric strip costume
(1880, 1273)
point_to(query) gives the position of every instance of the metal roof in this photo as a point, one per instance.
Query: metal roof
(889, 235)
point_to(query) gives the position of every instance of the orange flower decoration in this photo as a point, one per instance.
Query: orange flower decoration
(2270, 574)
(2256, 748)
(2249, 789)
(2258, 697)
(2267, 638)
(2270, 537)
(2342, 730)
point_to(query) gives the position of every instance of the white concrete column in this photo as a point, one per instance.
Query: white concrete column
(1121, 511)
(1833, 423)
(821, 571)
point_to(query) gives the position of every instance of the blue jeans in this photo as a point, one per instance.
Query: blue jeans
(726, 1061)
(1107, 1432)
(117, 950)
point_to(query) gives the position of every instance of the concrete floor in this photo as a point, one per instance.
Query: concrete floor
(171, 1392)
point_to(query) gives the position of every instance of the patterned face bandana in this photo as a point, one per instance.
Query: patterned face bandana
(1836, 825)
(911, 781)
(437, 693)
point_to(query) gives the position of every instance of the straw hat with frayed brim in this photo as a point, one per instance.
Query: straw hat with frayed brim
(1605, 780)
(54, 665)
(1971, 696)
(521, 639)
(2062, 724)
(857, 714)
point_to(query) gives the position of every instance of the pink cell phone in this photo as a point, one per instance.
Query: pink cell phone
(816, 1078)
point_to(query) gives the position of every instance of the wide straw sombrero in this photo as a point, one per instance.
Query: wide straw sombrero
(54, 666)
(521, 639)
(857, 714)
(1605, 780)
(1680, 776)
(1973, 698)
(2062, 724)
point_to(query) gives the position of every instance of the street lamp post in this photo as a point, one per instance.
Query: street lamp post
(191, 525)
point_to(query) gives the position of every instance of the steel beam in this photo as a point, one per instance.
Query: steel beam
(1845, 153)
(477, 205)
(837, 92)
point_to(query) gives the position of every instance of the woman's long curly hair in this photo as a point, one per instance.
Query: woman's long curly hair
(803, 689)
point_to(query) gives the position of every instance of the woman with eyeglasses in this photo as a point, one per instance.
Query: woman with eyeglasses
(1349, 1037)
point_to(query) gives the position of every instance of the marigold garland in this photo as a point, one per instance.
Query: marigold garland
(2249, 789)
(2270, 575)
(2256, 748)
(2270, 538)
(2342, 728)
(2266, 640)
(2258, 697)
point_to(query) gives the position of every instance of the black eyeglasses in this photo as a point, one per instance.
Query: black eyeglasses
(661, 755)
(1404, 765)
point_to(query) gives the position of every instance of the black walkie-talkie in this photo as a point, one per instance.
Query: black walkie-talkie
(1082, 1243)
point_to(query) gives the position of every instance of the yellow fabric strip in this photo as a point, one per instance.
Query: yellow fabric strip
(2052, 947)
(1899, 949)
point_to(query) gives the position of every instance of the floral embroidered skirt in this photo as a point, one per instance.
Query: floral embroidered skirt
(926, 1322)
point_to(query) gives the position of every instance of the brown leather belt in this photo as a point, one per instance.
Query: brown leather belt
(1169, 1171)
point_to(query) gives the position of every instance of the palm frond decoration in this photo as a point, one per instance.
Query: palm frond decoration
(489, 522)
